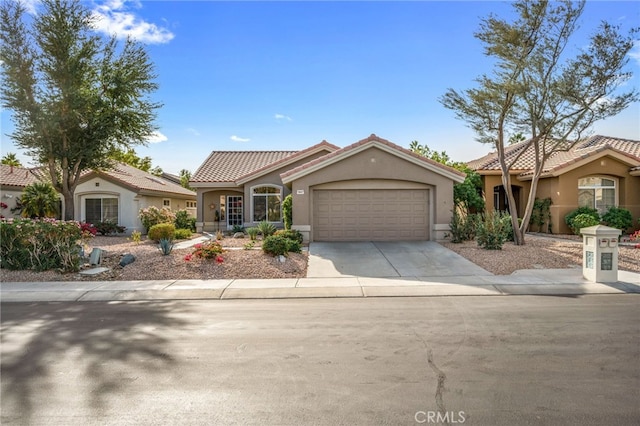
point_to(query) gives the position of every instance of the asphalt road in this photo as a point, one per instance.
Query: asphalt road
(398, 361)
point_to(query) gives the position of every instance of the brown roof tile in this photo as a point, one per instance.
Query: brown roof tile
(227, 166)
(140, 180)
(560, 159)
(18, 176)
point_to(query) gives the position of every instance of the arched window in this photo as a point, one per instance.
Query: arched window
(597, 192)
(266, 203)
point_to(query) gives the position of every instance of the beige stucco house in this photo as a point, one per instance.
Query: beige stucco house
(13, 180)
(117, 194)
(371, 190)
(598, 172)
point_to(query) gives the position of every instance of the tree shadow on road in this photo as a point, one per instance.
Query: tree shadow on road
(36, 335)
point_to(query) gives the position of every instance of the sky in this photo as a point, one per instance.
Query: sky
(286, 75)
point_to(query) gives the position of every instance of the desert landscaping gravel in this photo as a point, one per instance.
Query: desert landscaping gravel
(150, 264)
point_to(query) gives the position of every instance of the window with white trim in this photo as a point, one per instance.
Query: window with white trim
(166, 202)
(101, 210)
(191, 204)
(266, 203)
(596, 192)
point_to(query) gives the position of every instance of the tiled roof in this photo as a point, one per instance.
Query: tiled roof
(560, 159)
(18, 176)
(227, 166)
(140, 180)
(324, 145)
(365, 141)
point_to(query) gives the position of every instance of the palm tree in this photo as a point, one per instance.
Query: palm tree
(10, 159)
(39, 200)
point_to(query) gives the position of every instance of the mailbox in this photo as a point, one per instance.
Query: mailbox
(600, 253)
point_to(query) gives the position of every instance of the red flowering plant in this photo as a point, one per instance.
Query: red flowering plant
(208, 250)
(635, 237)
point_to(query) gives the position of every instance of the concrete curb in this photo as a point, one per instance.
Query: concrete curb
(531, 282)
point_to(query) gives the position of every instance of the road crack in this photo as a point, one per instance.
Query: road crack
(439, 396)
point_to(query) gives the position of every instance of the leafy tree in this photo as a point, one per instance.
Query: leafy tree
(539, 89)
(75, 97)
(185, 177)
(39, 199)
(10, 159)
(131, 158)
(467, 195)
(156, 171)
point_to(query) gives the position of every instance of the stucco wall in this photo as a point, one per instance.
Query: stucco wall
(9, 196)
(563, 190)
(381, 169)
(129, 202)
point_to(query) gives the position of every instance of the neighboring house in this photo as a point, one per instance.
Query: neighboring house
(13, 180)
(598, 172)
(117, 194)
(371, 190)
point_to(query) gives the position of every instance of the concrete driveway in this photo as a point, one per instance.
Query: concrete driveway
(387, 259)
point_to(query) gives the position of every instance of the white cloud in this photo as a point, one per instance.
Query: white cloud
(157, 137)
(113, 18)
(634, 53)
(239, 139)
(282, 117)
(30, 6)
(193, 131)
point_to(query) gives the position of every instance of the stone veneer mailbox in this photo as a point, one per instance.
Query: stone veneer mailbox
(600, 253)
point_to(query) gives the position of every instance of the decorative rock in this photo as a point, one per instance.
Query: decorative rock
(282, 259)
(127, 259)
(94, 271)
(95, 258)
(238, 235)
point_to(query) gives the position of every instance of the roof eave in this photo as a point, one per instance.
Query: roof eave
(459, 178)
(285, 162)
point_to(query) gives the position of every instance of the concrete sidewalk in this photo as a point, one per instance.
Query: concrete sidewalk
(555, 282)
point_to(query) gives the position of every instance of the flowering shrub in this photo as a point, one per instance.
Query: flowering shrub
(210, 250)
(3, 205)
(635, 237)
(41, 244)
(152, 216)
(88, 230)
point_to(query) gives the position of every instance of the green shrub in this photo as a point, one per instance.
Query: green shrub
(182, 234)
(136, 236)
(162, 231)
(568, 219)
(266, 228)
(583, 220)
(541, 214)
(463, 227)
(40, 244)
(237, 228)
(619, 218)
(287, 211)
(491, 232)
(109, 227)
(277, 245)
(39, 199)
(291, 234)
(185, 221)
(253, 233)
(165, 246)
(508, 227)
(153, 216)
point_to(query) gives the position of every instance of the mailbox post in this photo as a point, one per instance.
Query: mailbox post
(600, 253)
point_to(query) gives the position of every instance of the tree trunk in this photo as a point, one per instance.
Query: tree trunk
(518, 236)
(69, 205)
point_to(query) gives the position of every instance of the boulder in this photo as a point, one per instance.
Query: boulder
(127, 259)
(238, 235)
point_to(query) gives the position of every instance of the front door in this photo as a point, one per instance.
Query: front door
(234, 211)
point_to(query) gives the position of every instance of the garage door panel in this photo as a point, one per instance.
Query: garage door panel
(370, 215)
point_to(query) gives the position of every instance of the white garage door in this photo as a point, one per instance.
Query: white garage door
(371, 215)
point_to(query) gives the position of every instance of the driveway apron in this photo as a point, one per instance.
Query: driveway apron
(387, 259)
